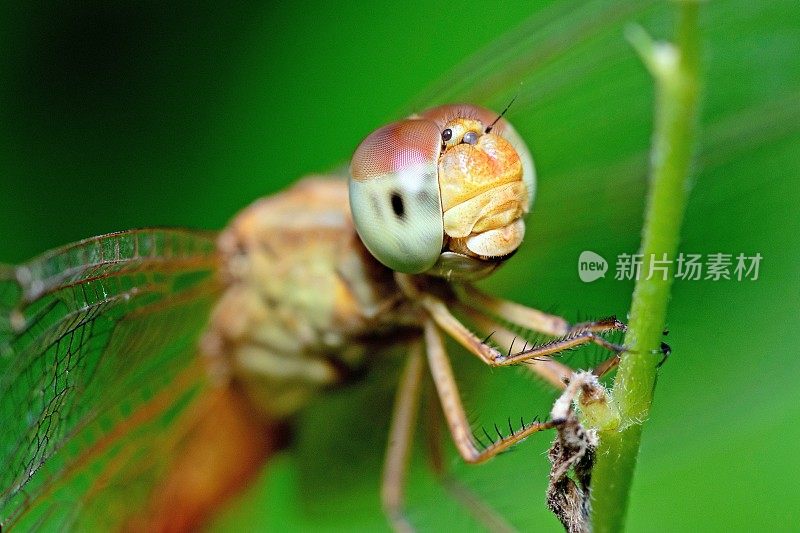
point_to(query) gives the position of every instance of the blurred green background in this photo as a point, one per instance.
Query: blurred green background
(122, 115)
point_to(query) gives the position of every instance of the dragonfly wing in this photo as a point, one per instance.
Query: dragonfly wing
(98, 345)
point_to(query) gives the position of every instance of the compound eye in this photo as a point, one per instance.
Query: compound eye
(447, 135)
(394, 195)
(471, 137)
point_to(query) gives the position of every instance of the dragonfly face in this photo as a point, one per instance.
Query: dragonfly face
(443, 192)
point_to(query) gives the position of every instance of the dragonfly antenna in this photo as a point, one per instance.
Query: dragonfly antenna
(489, 128)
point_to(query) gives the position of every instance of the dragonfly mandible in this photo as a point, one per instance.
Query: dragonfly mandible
(303, 289)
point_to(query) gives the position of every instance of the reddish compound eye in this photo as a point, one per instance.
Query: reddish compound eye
(431, 194)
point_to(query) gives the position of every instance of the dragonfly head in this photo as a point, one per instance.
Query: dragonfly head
(444, 192)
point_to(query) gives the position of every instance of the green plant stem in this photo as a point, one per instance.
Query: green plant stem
(676, 72)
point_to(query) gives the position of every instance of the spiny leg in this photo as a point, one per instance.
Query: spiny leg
(552, 371)
(613, 362)
(530, 318)
(475, 303)
(401, 436)
(449, 323)
(453, 409)
(480, 306)
(560, 345)
(473, 503)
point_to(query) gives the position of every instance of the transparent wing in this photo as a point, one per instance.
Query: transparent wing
(97, 348)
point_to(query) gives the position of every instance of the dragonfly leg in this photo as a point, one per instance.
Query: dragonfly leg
(453, 409)
(603, 325)
(480, 306)
(401, 436)
(606, 366)
(576, 337)
(553, 372)
(472, 502)
(527, 317)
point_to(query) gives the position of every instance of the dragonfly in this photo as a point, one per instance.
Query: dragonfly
(303, 289)
(200, 346)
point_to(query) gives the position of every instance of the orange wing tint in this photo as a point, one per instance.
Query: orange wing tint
(99, 374)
